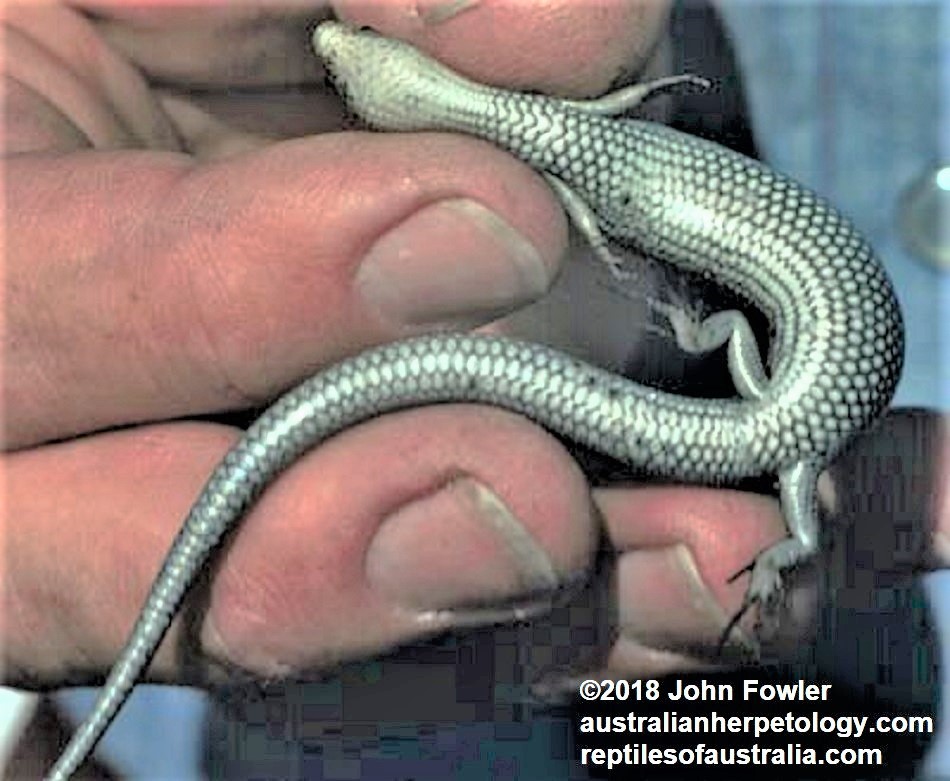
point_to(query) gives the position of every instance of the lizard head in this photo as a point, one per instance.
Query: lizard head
(389, 84)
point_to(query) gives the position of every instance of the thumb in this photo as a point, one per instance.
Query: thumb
(231, 279)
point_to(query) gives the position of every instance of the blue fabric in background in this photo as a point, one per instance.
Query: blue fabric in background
(849, 97)
(157, 736)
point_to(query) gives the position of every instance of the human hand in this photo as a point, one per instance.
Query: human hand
(189, 268)
(161, 265)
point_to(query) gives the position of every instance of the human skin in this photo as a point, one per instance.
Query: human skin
(161, 263)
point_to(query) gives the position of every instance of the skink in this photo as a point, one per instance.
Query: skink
(836, 348)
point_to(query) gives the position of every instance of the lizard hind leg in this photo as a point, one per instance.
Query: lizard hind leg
(692, 334)
(671, 307)
(681, 318)
(799, 502)
(727, 327)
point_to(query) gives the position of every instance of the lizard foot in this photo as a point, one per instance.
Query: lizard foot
(766, 588)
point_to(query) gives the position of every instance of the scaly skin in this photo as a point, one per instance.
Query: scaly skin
(837, 347)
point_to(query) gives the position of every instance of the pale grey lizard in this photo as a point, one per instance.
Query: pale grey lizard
(837, 334)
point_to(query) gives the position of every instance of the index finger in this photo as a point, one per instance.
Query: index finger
(561, 47)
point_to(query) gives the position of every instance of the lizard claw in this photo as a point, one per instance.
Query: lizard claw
(765, 587)
(739, 573)
(746, 606)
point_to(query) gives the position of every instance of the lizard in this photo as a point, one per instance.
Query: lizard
(836, 348)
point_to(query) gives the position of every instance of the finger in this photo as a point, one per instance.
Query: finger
(208, 137)
(32, 124)
(142, 286)
(55, 55)
(388, 532)
(678, 548)
(213, 44)
(884, 510)
(561, 47)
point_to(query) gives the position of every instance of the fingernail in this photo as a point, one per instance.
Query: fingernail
(451, 264)
(685, 617)
(439, 12)
(459, 548)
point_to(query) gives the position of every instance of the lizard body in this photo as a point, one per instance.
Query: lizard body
(837, 346)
